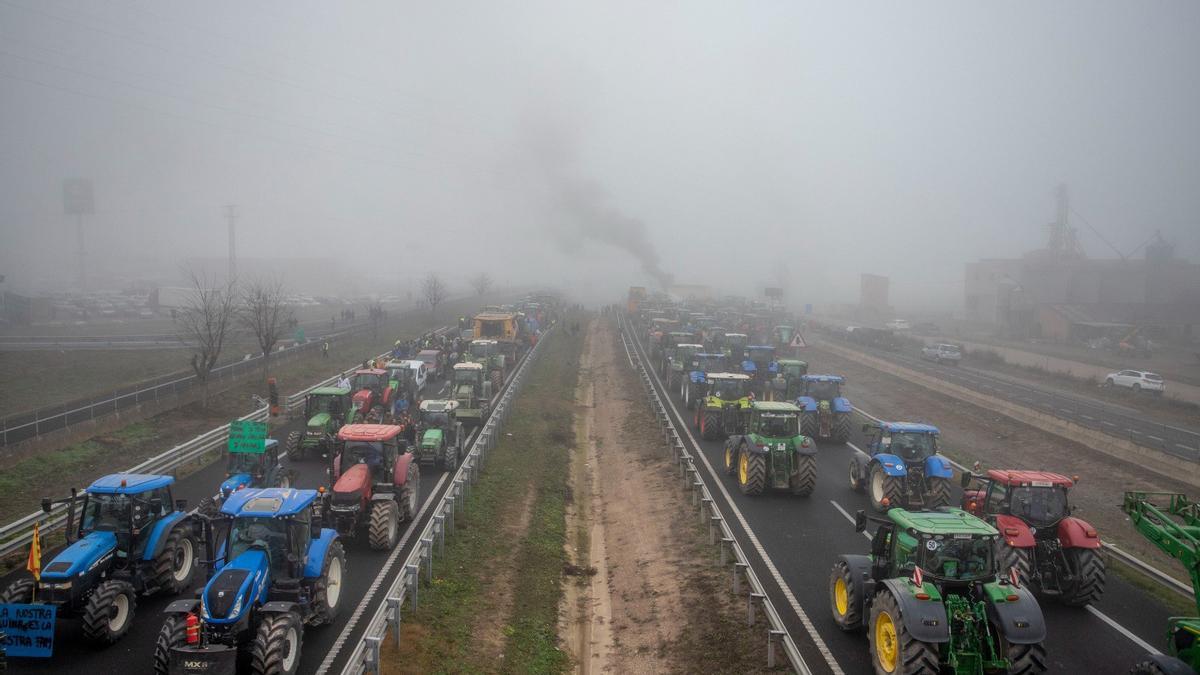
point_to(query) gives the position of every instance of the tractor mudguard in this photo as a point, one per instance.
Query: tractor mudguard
(892, 465)
(1023, 537)
(1073, 533)
(863, 584)
(1020, 621)
(185, 606)
(938, 467)
(925, 620)
(804, 445)
(841, 404)
(278, 607)
(401, 473)
(160, 534)
(807, 403)
(317, 548)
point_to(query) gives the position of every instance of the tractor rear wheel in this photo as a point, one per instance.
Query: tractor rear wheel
(172, 634)
(1088, 569)
(843, 599)
(410, 493)
(175, 564)
(450, 456)
(1008, 557)
(752, 472)
(731, 458)
(327, 593)
(1147, 668)
(108, 614)
(805, 479)
(497, 380)
(276, 646)
(939, 492)
(19, 592)
(384, 530)
(893, 649)
(841, 427)
(882, 486)
(687, 396)
(808, 424)
(710, 425)
(294, 449)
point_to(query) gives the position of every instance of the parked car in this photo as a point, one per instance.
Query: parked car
(941, 353)
(899, 324)
(1137, 380)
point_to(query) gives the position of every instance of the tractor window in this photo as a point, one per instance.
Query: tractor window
(465, 376)
(437, 419)
(367, 381)
(793, 370)
(957, 559)
(299, 534)
(778, 426)
(911, 446)
(265, 534)
(370, 454)
(1039, 506)
(824, 390)
(244, 462)
(904, 555)
(728, 389)
(319, 404)
(106, 513)
(762, 355)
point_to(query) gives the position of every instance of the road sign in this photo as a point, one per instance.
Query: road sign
(28, 630)
(78, 199)
(248, 437)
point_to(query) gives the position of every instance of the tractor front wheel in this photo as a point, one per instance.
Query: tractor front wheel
(752, 472)
(276, 646)
(882, 486)
(172, 634)
(843, 599)
(410, 493)
(294, 449)
(175, 564)
(939, 492)
(327, 595)
(804, 481)
(108, 614)
(19, 592)
(384, 529)
(893, 649)
(1087, 567)
(731, 459)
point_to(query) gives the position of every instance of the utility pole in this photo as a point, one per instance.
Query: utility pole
(82, 252)
(231, 216)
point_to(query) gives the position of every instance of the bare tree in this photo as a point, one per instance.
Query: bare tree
(482, 283)
(265, 315)
(434, 290)
(205, 321)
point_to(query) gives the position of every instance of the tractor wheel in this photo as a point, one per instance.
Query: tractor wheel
(882, 486)
(808, 424)
(175, 564)
(893, 649)
(841, 427)
(1088, 568)
(1147, 668)
(857, 483)
(172, 634)
(687, 397)
(752, 472)
(294, 449)
(731, 458)
(327, 592)
(285, 479)
(1008, 557)
(939, 492)
(843, 601)
(19, 592)
(497, 380)
(208, 507)
(450, 456)
(276, 646)
(710, 425)
(1025, 659)
(805, 479)
(384, 529)
(410, 493)
(108, 614)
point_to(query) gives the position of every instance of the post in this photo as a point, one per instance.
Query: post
(231, 216)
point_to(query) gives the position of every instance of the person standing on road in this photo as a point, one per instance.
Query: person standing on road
(325, 349)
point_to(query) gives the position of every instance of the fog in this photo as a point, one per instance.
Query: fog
(594, 146)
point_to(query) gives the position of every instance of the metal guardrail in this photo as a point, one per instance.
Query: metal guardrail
(387, 618)
(701, 497)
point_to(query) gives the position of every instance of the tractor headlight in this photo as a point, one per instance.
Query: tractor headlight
(237, 608)
(66, 586)
(204, 608)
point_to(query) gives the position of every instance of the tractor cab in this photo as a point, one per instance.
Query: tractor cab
(728, 387)
(901, 466)
(725, 407)
(127, 506)
(734, 345)
(469, 375)
(440, 434)
(472, 391)
(787, 384)
(374, 446)
(950, 546)
(714, 338)
(254, 469)
(369, 385)
(333, 402)
(481, 350)
(760, 362)
(912, 443)
(821, 387)
(1036, 497)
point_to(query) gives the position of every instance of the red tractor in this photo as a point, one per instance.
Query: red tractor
(376, 483)
(372, 393)
(1056, 554)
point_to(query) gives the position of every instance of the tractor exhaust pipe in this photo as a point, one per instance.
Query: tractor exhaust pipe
(71, 517)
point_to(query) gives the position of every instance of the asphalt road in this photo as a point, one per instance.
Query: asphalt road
(134, 652)
(794, 541)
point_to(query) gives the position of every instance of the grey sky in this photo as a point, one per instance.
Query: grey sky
(899, 138)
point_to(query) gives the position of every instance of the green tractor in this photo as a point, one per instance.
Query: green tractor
(440, 435)
(787, 383)
(772, 452)
(326, 409)
(735, 345)
(679, 363)
(1172, 522)
(932, 600)
(487, 352)
(473, 392)
(670, 342)
(725, 407)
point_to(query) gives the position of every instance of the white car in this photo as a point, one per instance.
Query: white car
(899, 324)
(1137, 380)
(415, 371)
(942, 353)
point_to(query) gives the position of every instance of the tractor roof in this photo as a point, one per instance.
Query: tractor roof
(1035, 478)
(823, 378)
(710, 355)
(468, 365)
(129, 483)
(369, 432)
(370, 371)
(728, 376)
(775, 407)
(944, 520)
(432, 405)
(909, 427)
(329, 391)
(689, 344)
(267, 502)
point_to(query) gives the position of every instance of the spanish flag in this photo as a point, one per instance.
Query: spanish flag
(34, 564)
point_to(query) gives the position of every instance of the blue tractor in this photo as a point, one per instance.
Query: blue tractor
(760, 364)
(274, 570)
(901, 467)
(694, 383)
(826, 412)
(130, 539)
(250, 470)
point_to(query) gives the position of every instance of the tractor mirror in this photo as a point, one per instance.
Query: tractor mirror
(314, 528)
(47, 504)
(181, 505)
(860, 521)
(966, 479)
(156, 505)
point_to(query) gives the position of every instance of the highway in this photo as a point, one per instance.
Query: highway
(797, 539)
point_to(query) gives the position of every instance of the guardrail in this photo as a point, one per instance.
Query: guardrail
(776, 632)
(365, 657)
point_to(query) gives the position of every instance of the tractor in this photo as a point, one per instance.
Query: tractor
(932, 599)
(440, 436)
(734, 345)
(659, 327)
(130, 538)
(760, 364)
(787, 383)
(783, 337)
(326, 409)
(372, 393)
(487, 353)
(901, 466)
(725, 407)
(1054, 553)
(669, 342)
(250, 470)
(772, 453)
(376, 484)
(695, 377)
(274, 570)
(680, 363)
(714, 338)
(473, 392)
(826, 411)
(1171, 522)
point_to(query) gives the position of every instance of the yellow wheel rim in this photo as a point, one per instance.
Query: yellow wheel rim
(743, 467)
(885, 642)
(728, 457)
(840, 599)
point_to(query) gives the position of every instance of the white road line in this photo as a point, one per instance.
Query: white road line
(1155, 438)
(1122, 630)
(1107, 423)
(1187, 447)
(787, 591)
(849, 517)
(1087, 417)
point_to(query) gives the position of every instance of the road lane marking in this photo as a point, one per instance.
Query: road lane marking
(849, 517)
(1122, 630)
